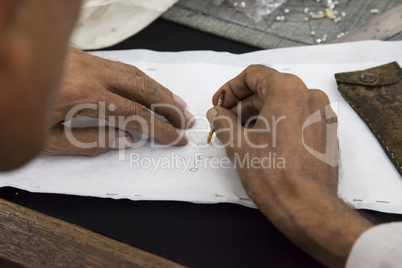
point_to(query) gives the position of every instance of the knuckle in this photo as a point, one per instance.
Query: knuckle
(142, 121)
(136, 71)
(290, 88)
(73, 51)
(78, 60)
(79, 88)
(131, 77)
(319, 97)
(127, 68)
(291, 82)
(130, 69)
(135, 109)
(254, 70)
(147, 90)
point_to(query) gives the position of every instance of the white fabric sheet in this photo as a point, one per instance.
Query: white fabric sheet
(368, 178)
(103, 23)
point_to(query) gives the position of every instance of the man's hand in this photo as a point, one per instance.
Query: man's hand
(282, 139)
(97, 88)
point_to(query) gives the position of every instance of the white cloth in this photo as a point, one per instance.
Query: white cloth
(368, 178)
(380, 246)
(103, 23)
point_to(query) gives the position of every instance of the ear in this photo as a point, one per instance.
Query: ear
(15, 102)
(6, 8)
(13, 48)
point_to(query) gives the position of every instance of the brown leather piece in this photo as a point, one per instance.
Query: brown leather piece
(379, 104)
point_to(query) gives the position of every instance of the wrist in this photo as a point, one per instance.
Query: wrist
(313, 217)
(328, 230)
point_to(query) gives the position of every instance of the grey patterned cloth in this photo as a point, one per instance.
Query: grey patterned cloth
(225, 21)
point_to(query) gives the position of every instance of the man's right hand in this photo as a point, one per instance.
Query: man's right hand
(282, 138)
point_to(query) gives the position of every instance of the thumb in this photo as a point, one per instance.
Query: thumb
(226, 124)
(91, 141)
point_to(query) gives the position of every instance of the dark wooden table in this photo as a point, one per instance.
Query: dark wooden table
(220, 235)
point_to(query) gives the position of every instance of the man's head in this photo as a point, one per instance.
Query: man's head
(33, 40)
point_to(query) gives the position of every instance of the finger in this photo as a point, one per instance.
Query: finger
(263, 81)
(135, 85)
(247, 108)
(245, 84)
(319, 97)
(86, 141)
(179, 100)
(149, 94)
(227, 128)
(127, 114)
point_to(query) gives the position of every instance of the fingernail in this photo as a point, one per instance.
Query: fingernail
(190, 119)
(211, 114)
(122, 142)
(179, 100)
(183, 137)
